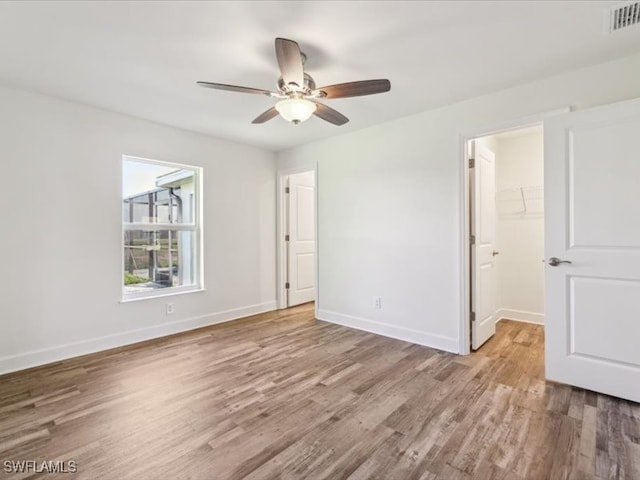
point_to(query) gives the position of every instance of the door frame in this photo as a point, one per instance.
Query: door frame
(281, 227)
(464, 326)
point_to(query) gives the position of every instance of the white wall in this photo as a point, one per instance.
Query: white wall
(389, 204)
(520, 236)
(61, 271)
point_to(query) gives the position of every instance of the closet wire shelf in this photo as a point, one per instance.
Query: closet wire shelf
(521, 201)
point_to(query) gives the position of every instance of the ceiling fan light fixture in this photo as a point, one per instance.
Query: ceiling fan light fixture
(295, 110)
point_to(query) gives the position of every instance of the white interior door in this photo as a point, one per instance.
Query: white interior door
(301, 266)
(483, 231)
(592, 208)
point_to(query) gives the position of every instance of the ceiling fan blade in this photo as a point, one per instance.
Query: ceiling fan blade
(236, 88)
(356, 89)
(329, 114)
(266, 116)
(290, 62)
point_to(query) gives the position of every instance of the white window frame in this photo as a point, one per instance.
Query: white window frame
(195, 226)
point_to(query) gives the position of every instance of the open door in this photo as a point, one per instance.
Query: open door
(301, 265)
(483, 252)
(592, 239)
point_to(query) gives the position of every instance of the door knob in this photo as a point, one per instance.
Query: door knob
(494, 253)
(555, 261)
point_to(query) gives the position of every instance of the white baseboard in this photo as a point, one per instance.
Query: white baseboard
(36, 358)
(520, 316)
(439, 342)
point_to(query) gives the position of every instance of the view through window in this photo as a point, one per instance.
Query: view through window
(160, 227)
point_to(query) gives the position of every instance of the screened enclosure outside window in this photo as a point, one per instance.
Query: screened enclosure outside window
(161, 228)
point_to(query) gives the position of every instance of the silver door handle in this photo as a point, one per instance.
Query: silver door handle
(494, 253)
(555, 261)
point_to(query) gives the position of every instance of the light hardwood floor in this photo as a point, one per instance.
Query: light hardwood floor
(283, 396)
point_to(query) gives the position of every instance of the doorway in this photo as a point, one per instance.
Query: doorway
(592, 241)
(297, 267)
(506, 226)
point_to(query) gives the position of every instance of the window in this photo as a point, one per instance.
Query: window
(160, 228)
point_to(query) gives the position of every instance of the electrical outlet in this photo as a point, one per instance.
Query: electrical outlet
(377, 303)
(170, 308)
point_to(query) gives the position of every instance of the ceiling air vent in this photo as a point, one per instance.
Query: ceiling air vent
(623, 15)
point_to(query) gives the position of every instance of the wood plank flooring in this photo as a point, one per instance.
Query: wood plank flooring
(283, 396)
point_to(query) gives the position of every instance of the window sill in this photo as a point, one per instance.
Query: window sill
(161, 295)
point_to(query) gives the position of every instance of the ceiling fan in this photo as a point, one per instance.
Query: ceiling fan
(297, 90)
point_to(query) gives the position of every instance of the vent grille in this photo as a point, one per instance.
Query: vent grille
(623, 15)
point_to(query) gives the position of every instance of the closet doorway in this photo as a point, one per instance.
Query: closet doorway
(506, 222)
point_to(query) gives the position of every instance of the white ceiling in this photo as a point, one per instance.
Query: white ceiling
(143, 58)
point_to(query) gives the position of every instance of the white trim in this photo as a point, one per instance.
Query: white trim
(36, 358)
(165, 292)
(152, 161)
(316, 187)
(448, 344)
(157, 227)
(464, 338)
(515, 124)
(520, 316)
(281, 252)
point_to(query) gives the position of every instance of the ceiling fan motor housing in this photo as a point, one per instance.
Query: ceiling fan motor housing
(307, 88)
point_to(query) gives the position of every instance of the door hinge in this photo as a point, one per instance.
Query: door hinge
(286, 189)
(472, 163)
(286, 238)
(286, 285)
(473, 239)
(473, 316)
